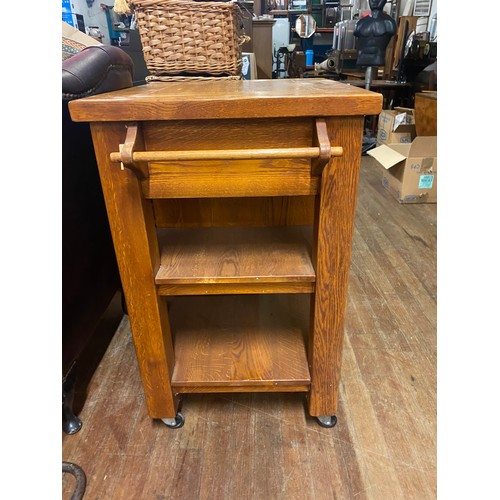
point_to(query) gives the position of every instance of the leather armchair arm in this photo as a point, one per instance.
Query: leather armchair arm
(95, 70)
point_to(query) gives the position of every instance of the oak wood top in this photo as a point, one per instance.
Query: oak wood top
(228, 99)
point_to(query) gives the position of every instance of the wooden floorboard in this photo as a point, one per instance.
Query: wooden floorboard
(265, 446)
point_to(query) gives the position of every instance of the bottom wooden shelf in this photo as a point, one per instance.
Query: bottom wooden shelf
(240, 343)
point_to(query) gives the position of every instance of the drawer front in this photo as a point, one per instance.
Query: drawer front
(229, 177)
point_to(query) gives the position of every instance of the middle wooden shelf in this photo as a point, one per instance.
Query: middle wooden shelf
(227, 260)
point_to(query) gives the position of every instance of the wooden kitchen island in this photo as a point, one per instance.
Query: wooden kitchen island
(231, 205)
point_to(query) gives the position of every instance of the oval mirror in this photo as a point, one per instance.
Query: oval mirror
(305, 25)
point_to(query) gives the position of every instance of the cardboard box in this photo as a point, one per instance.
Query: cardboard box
(410, 169)
(73, 34)
(396, 126)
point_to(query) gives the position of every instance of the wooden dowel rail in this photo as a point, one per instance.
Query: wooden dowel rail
(227, 154)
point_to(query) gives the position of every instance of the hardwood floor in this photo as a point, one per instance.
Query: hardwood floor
(264, 446)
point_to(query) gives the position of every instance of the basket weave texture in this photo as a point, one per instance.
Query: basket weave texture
(190, 38)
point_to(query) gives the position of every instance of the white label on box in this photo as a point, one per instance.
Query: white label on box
(425, 182)
(401, 119)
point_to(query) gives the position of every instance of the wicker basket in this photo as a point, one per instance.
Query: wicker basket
(183, 38)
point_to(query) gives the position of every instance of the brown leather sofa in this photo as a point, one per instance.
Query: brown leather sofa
(90, 278)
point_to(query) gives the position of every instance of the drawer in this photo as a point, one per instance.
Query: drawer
(228, 158)
(229, 177)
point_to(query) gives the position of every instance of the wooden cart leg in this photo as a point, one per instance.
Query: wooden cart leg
(134, 235)
(334, 224)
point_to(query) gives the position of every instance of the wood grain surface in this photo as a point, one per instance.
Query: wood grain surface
(426, 113)
(232, 99)
(264, 445)
(227, 177)
(240, 342)
(334, 225)
(134, 236)
(229, 255)
(217, 212)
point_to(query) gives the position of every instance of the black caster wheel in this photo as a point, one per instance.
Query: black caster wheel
(327, 422)
(71, 424)
(174, 423)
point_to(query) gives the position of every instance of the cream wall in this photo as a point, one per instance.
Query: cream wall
(406, 8)
(94, 15)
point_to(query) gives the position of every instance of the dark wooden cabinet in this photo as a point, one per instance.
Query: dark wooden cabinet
(262, 33)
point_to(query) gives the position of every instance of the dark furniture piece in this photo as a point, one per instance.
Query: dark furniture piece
(426, 113)
(90, 276)
(134, 50)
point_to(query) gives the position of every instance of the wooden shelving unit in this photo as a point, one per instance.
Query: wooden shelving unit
(231, 205)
